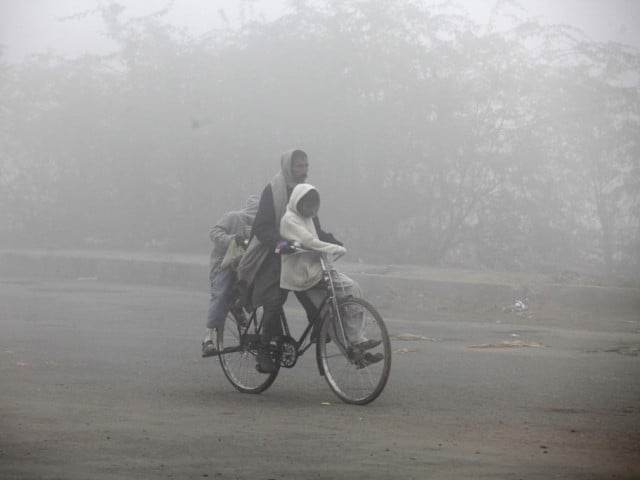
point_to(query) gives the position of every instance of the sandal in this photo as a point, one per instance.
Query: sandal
(209, 349)
(369, 359)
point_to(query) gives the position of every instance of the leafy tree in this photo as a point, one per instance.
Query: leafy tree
(503, 148)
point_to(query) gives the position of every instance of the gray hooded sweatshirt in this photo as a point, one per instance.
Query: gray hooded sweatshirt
(225, 230)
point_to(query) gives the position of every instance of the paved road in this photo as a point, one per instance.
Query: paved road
(104, 381)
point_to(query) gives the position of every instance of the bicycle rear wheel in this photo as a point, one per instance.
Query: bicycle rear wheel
(356, 368)
(238, 346)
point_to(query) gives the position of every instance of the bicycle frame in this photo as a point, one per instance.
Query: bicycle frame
(352, 346)
(330, 299)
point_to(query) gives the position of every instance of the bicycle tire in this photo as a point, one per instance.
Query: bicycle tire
(238, 358)
(352, 373)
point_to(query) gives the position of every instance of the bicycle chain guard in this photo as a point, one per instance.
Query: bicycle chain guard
(288, 350)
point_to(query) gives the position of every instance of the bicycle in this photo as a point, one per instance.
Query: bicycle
(357, 374)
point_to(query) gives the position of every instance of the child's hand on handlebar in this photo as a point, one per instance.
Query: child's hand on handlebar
(341, 251)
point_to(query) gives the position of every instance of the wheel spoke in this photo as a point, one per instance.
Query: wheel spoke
(356, 375)
(238, 359)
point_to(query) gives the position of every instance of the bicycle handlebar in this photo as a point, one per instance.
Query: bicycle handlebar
(296, 247)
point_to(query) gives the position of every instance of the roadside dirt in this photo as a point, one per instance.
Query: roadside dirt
(564, 299)
(104, 381)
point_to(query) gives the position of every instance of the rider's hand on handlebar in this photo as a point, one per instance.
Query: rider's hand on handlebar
(283, 247)
(341, 251)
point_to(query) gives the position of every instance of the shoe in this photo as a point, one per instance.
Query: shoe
(265, 362)
(369, 359)
(209, 349)
(367, 344)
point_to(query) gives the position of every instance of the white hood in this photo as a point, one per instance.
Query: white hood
(298, 192)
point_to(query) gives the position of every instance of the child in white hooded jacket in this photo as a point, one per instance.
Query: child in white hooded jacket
(302, 271)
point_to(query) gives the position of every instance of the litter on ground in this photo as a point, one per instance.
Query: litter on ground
(406, 350)
(508, 344)
(408, 337)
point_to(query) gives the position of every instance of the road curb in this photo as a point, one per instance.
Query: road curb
(386, 290)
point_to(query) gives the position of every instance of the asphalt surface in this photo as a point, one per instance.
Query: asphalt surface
(104, 381)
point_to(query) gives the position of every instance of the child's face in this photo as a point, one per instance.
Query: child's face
(308, 208)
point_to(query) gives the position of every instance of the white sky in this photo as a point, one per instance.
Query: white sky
(33, 26)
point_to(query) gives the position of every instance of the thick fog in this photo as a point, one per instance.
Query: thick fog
(433, 139)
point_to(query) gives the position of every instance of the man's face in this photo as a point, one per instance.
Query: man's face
(299, 169)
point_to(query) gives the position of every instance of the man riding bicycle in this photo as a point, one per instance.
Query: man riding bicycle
(260, 266)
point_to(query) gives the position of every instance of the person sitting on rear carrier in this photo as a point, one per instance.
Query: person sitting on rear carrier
(302, 272)
(228, 236)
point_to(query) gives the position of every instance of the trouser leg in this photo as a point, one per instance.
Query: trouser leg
(310, 301)
(351, 317)
(217, 310)
(307, 303)
(353, 327)
(271, 323)
(268, 294)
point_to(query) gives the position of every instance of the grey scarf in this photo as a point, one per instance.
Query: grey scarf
(282, 181)
(257, 252)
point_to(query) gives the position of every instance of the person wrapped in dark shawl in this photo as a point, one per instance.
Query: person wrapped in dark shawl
(259, 269)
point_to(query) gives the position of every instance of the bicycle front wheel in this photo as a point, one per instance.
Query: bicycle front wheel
(238, 345)
(355, 353)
